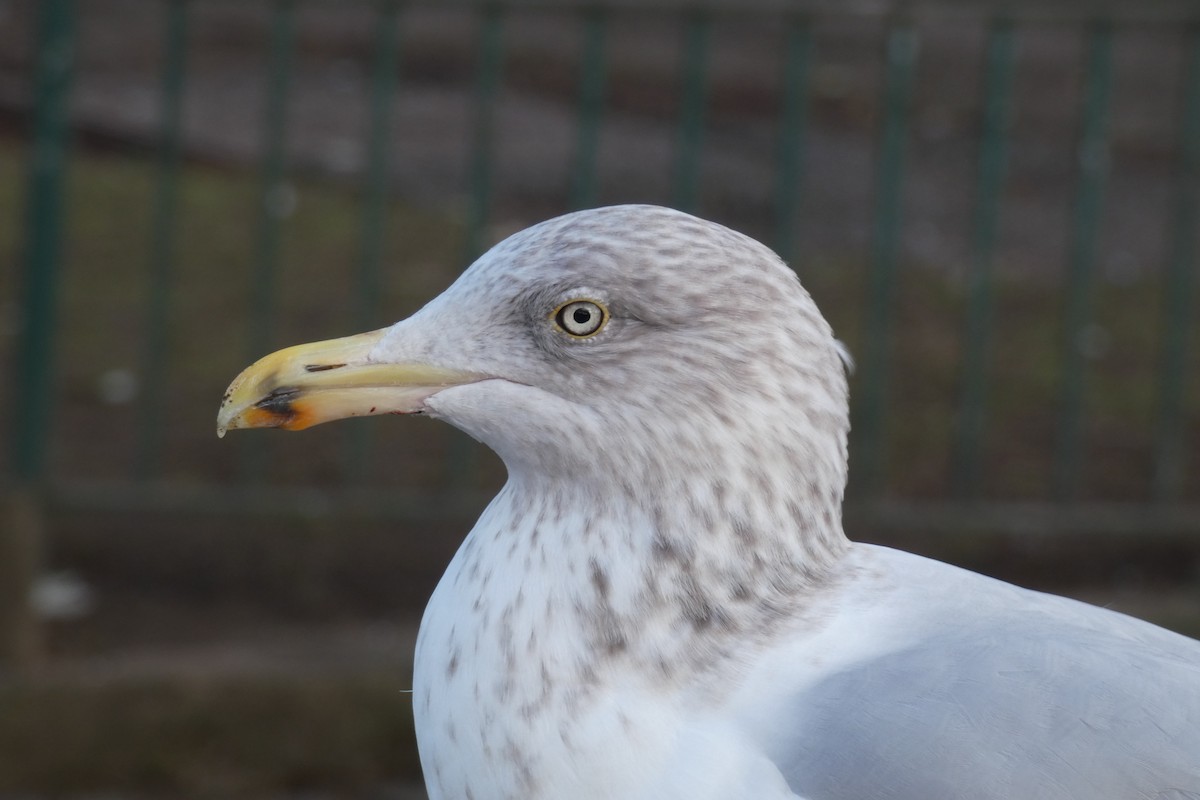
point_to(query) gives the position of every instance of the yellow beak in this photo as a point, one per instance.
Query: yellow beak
(308, 384)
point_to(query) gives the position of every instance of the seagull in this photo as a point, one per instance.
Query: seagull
(661, 604)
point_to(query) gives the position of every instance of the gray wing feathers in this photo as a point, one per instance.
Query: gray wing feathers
(1023, 709)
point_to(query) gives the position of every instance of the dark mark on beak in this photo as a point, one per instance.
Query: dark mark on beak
(321, 367)
(279, 401)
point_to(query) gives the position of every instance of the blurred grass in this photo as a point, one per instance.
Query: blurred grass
(1026, 361)
(102, 313)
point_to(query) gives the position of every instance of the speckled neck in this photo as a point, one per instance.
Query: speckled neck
(678, 541)
(560, 595)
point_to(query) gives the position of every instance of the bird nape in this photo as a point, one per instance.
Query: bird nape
(661, 603)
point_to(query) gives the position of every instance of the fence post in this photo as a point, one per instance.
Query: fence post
(1093, 150)
(870, 445)
(1170, 454)
(21, 513)
(686, 190)
(993, 156)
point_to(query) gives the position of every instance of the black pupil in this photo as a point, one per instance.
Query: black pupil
(582, 316)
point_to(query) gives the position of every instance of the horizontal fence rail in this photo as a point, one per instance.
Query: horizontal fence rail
(697, 130)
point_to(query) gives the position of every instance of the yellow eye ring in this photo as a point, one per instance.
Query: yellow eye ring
(580, 319)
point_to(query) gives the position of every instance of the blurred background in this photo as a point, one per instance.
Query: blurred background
(995, 202)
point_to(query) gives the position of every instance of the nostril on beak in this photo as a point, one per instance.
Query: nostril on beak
(279, 401)
(321, 367)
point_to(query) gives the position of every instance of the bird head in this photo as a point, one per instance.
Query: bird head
(630, 333)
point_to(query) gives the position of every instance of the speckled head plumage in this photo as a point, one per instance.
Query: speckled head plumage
(714, 353)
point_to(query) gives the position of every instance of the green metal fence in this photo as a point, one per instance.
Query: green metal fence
(155, 477)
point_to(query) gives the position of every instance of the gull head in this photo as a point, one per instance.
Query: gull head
(633, 344)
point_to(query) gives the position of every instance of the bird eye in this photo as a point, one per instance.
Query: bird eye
(581, 318)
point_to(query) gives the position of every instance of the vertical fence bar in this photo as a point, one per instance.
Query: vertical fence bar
(375, 199)
(691, 115)
(44, 236)
(1093, 173)
(901, 70)
(1180, 288)
(21, 532)
(461, 458)
(591, 109)
(792, 130)
(162, 255)
(993, 159)
(487, 83)
(274, 203)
